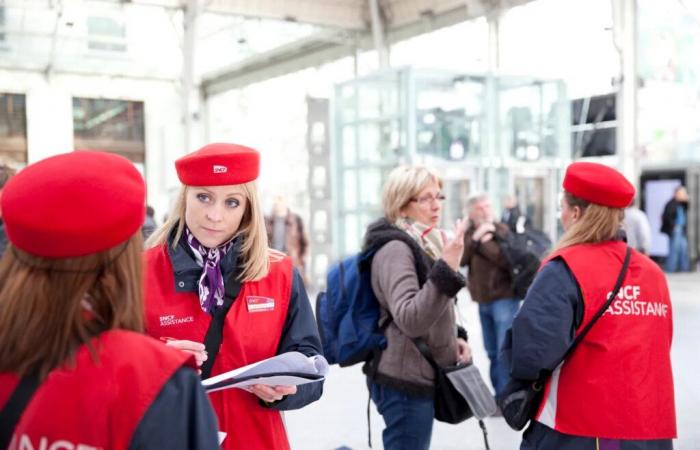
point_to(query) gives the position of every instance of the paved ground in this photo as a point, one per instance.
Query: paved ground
(339, 418)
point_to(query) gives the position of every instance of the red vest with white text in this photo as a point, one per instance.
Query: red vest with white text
(252, 331)
(617, 383)
(92, 405)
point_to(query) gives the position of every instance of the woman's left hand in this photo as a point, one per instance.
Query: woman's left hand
(271, 394)
(464, 351)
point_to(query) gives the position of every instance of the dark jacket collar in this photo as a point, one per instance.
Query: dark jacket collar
(187, 272)
(382, 232)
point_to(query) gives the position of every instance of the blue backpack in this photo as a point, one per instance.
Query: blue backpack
(348, 312)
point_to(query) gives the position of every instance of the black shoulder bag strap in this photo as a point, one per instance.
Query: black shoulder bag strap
(214, 336)
(601, 311)
(15, 406)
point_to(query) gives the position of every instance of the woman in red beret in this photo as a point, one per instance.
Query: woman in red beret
(75, 370)
(215, 289)
(614, 390)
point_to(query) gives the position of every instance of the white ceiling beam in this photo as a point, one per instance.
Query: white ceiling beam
(316, 50)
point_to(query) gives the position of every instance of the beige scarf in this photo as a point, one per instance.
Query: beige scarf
(430, 239)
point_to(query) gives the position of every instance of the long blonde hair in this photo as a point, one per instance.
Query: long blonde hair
(49, 307)
(598, 223)
(255, 255)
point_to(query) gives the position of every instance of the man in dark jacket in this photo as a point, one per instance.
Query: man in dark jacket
(674, 223)
(489, 281)
(5, 174)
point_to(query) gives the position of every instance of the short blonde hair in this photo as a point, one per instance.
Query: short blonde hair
(255, 254)
(402, 185)
(598, 223)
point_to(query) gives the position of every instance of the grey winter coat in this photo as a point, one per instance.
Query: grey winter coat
(415, 311)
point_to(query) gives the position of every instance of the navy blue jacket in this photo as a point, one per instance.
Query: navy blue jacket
(299, 333)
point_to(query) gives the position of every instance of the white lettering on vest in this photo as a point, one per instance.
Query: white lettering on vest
(628, 303)
(169, 320)
(25, 443)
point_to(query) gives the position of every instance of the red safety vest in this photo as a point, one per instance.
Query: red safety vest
(95, 405)
(252, 332)
(617, 384)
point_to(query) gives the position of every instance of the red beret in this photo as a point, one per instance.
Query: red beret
(598, 184)
(219, 165)
(74, 204)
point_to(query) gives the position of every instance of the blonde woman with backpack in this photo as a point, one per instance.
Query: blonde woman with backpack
(415, 278)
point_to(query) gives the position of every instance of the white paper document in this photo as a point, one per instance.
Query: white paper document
(287, 369)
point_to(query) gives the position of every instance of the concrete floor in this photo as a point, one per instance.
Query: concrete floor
(339, 419)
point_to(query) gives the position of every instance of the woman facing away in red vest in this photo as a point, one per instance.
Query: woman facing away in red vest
(614, 391)
(71, 316)
(211, 278)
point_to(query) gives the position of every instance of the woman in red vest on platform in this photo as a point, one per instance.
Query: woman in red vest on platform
(75, 371)
(215, 289)
(615, 390)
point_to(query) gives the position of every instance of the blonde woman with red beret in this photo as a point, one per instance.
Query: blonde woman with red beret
(75, 370)
(614, 391)
(215, 289)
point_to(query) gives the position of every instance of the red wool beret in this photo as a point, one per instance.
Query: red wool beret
(219, 165)
(74, 204)
(598, 184)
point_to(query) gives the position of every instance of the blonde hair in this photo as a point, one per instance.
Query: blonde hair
(52, 306)
(598, 223)
(402, 185)
(255, 254)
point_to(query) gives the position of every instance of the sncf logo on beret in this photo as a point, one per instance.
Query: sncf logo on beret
(219, 164)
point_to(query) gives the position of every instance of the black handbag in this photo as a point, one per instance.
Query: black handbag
(520, 399)
(450, 405)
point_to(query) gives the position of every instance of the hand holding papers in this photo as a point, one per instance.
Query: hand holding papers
(287, 369)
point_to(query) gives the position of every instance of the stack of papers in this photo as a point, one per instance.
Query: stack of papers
(287, 369)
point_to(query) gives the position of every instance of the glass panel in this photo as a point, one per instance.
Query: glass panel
(349, 190)
(352, 235)
(371, 187)
(110, 125)
(106, 33)
(13, 128)
(348, 149)
(378, 99)
(449, 117)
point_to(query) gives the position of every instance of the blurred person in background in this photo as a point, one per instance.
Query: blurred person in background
(285, 232)
(615, 390)
(637, 229)
(490, 283)
(512, 216)
(674, 223)
(414, 275)
(6, 173)
(149, 223)
(75, 369)
(215, 289)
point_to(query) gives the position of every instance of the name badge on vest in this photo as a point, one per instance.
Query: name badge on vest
(259, 304)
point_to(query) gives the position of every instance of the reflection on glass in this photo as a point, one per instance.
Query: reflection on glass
(111, 125)
(449, 116)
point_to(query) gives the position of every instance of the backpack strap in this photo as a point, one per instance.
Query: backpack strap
(214, 336)
(15, 406)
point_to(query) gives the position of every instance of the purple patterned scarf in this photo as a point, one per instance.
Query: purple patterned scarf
(211, 283)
